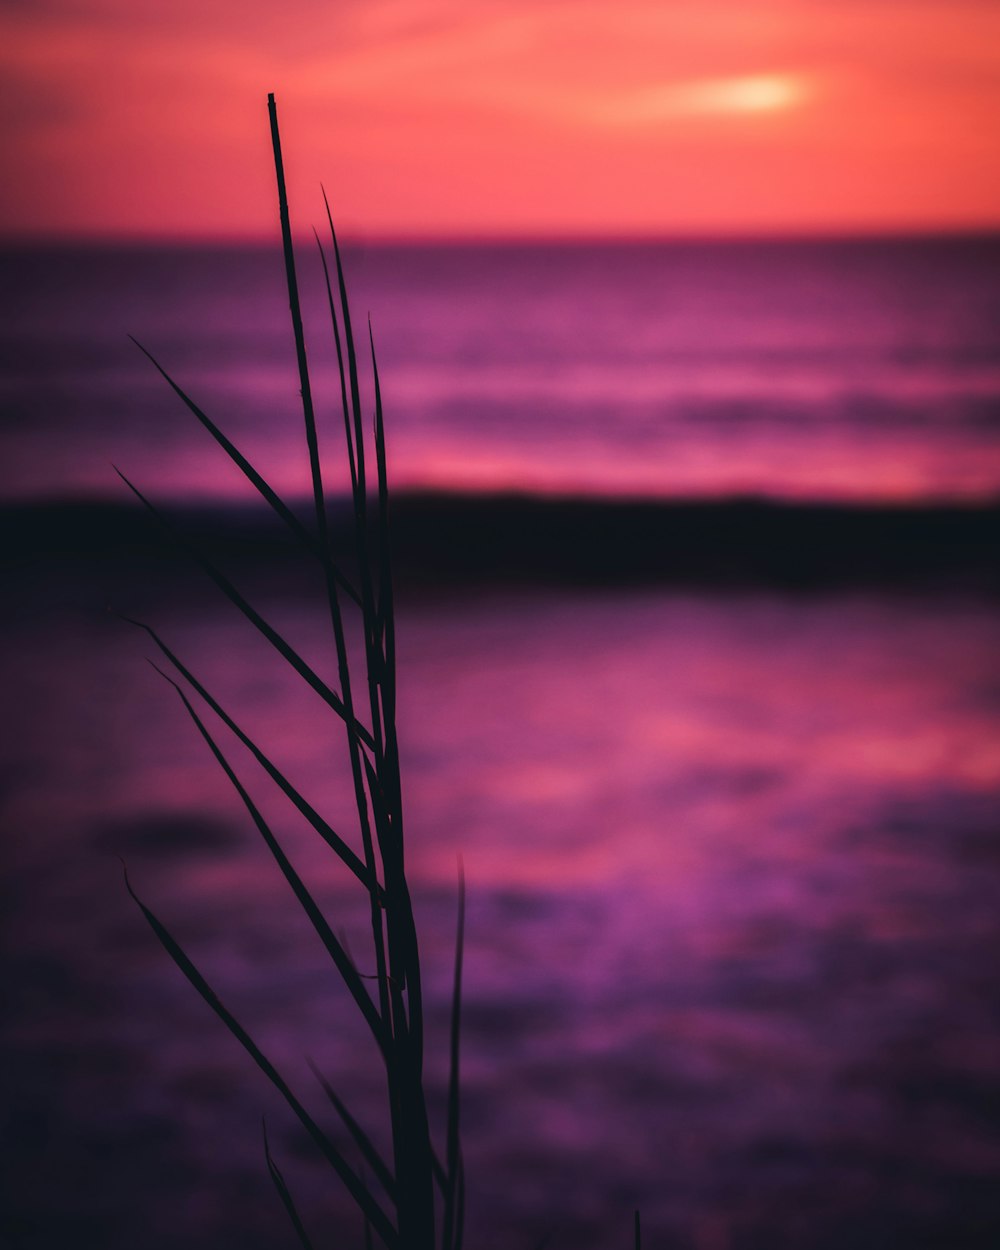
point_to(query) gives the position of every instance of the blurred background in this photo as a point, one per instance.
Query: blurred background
(688, 331)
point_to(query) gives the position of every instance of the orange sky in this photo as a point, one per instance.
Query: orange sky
(480, 117)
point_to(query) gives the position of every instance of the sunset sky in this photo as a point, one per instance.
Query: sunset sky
(501, 117)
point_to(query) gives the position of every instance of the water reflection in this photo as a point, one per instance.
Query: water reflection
(733, 869)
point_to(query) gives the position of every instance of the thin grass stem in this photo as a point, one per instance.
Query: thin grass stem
(285, 1194)
(454, 1198)
(361, 1139)
(252, 615)
(253, 476)
(319, 922)
(325, 831)
(359, 1192)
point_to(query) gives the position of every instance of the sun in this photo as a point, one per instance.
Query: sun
(755, 93)
(743, 94)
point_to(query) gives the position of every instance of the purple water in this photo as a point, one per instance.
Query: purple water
(732, 856)
(852, 370)
(733, 872)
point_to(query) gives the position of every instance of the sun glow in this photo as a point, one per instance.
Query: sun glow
(752, 93)
(756, 93)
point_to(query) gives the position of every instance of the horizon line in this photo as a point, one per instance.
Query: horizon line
(541, 238)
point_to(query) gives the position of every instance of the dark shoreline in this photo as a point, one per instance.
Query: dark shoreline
(442, 539)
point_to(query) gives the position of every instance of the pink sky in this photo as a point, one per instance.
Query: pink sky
(441, 117)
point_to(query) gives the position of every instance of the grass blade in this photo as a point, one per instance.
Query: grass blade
(454, 1197)
(285, 1195)
(252, 615)
(460, 1201)
(352, 362)
(386, 613)
(361, 1138)
(319, 922)
(340, 369)
(360, 494)
(358, 1191)
(383, 829)
(248, 470)
(296, 311)
(319, 503)
(312, 816)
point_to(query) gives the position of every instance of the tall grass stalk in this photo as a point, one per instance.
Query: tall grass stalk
(418, 1201)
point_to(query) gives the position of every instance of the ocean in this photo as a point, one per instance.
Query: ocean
(697, 649)
(844, 371)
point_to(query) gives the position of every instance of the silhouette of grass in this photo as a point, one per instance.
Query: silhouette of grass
(419, 1202)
